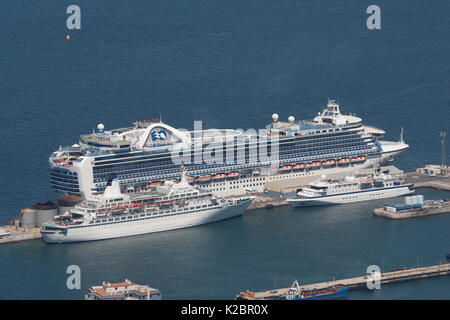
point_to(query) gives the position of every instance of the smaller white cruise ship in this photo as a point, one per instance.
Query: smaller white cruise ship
(352, 188)
(172, 205)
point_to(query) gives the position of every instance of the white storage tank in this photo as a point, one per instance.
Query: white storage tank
(408, 201)
(420, 199)
(66, 203)
(45, 211)
(28, 218)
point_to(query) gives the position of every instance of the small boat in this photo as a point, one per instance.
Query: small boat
(328, 163)
(232, 175)
(344, 161)
(358, 159)
(190, 179)
(313, 165)
(219, 176)
(285, 168)
(298, 166)
(205, 178)
(297, 293)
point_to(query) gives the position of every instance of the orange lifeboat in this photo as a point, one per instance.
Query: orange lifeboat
(285, 168)
(219, 176)
(359, 159)
(314, 165)
(329, 163)
(298, 166)
(233, 174)
(344, 161)
(205, 178)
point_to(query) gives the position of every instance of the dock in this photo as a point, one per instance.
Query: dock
(263, 201)
(424, 181)
(10, 234)
(430, 208)
(405, 274)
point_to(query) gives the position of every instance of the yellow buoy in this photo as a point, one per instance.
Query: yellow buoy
(68, 37)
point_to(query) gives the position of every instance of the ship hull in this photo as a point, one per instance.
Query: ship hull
(144, 226)
(351, 197)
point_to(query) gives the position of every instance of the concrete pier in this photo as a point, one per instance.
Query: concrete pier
(10, 234)
(423, 181)
(357, 282)
(263, 201)
(430, 208)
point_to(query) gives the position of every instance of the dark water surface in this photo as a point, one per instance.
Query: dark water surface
(231, 64)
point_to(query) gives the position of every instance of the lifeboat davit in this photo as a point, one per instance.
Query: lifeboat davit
(298, 166)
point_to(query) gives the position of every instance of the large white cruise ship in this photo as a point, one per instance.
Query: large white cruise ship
(144, 154)
(172, 205)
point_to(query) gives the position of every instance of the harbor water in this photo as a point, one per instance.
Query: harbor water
(231, 64)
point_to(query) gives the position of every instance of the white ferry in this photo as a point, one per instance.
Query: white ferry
(143, 154)
(115, 214)
(352, 188)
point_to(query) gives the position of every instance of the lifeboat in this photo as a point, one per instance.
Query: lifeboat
(219, 176)
(155, 183)
(298, 166)
(344, 161)
(314, 165)
(190, 179)
(359, 159)
(232, 175)
(205, 178)
(285, 168)
(368, 180)
(329, 163)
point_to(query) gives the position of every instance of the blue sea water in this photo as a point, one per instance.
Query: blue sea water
(231, 64)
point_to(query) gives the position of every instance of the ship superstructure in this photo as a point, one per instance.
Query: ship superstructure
(144, 154)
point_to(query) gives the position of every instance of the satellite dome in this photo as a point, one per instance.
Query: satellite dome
(275, 117)
(291, 119)
(100, 127)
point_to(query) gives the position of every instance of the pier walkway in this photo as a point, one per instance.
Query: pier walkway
(422, 181)
(358, 282)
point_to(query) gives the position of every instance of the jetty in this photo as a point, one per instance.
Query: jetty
(405, 274)
(10, 234)
(427, 181)
(430, 207)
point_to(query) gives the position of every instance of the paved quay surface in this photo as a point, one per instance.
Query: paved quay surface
(421, 181)
(10, 235)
